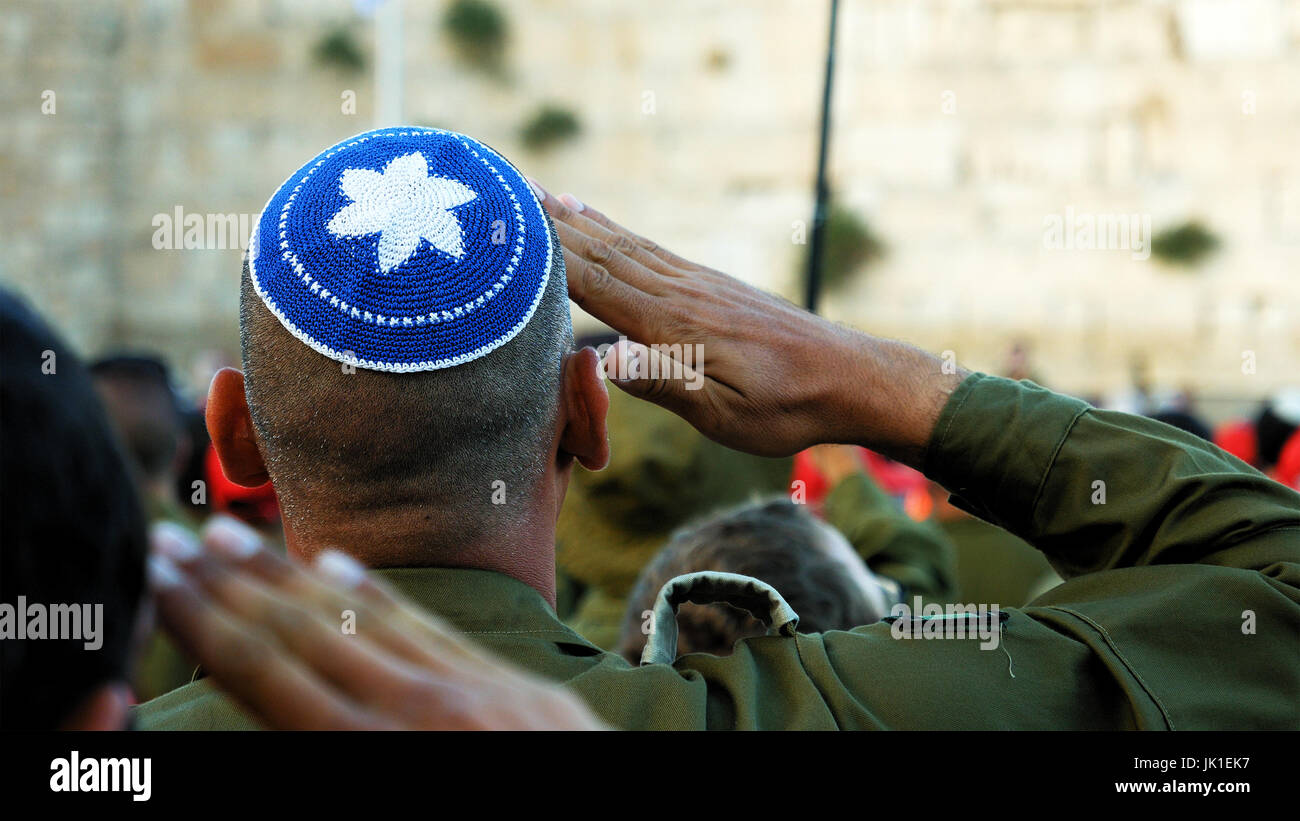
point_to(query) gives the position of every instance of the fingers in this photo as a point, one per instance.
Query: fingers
(290, 662)
(271, 632)
(268, 631)
(336, 583)
(610, 274)
(607, 290)
(277, 689)
(664, 260)
(568, 210)
(648, 373)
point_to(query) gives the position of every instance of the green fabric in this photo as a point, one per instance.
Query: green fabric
(995, 566)
(917, 555)
(1147, 632)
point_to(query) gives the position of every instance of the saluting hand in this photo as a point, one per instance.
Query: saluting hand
(771, 378)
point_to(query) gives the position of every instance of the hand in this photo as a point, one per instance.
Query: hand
(772, 378)
(269, 632)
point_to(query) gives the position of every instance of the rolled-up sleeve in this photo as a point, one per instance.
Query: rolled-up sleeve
(1099, 489)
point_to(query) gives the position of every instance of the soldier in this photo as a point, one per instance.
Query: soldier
(1181, 607)
(661, 474)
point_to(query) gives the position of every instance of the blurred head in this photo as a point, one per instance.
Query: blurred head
(1274, 425)
(74, 538)
(466, 452)
(1185, 421)
(779, 542)
(138, 396)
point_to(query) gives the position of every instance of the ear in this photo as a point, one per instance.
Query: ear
(585, 404)
(231, 429)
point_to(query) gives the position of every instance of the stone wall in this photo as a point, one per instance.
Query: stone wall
(961, 126)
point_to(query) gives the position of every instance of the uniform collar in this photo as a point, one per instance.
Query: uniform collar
(479, 601)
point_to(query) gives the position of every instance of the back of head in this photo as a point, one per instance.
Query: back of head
(74, 534)
(138, 396)
(403, 339)
(777, 542)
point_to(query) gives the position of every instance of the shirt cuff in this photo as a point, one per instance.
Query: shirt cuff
(994, 444)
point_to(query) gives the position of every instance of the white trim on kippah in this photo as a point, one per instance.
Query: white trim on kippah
(403, 367)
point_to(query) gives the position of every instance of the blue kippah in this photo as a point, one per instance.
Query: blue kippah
(403, 249)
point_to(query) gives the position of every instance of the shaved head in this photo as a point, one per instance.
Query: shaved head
(339, 440)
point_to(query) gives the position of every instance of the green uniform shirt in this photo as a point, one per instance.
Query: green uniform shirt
(1181, 607)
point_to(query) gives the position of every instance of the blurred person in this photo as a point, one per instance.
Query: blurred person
(395, 460)
(847, 487)
(1178, 408)
(1275, 423)
(137, 393)
(662, 473)
(74, 534)
(809, 563)
(1260, 441)
(1019, 363)
(1184, 420)
(1237, 436)
(992, 564)
(1287, 470)
(192, 475)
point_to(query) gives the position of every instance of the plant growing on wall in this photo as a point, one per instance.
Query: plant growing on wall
(1186, 244)
(549, 126)
(850, 246)
(337, 48)
(477, 30)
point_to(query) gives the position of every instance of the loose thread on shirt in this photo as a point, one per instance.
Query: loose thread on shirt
(1002, 639)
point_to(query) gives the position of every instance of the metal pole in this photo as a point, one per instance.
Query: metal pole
(388, 64)
(820, 193)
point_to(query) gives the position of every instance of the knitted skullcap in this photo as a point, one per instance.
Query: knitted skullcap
(403, 249)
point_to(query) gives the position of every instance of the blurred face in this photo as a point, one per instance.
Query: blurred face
(879, 591)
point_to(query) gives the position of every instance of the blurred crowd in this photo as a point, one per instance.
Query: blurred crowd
(842, 533)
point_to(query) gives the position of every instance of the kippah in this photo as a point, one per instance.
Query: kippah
(403, 249)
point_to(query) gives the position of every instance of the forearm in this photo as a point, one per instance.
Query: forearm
(889, 396)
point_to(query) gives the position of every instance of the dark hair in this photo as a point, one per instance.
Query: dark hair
(778, 542)
(137, 392)
(1184, 421)
(73, 530)
(337, 438)
(1272, 432)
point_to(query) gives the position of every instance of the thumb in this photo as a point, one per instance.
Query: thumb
(654, 375)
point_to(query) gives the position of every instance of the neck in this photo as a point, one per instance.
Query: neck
(521, 546)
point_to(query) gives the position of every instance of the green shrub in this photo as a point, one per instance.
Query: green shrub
(1186, 244)
(339, 49)
(850, 246)
(477, 28)
(549, 126)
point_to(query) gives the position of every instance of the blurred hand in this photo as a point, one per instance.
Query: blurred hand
(268, 631)
(773, 378)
